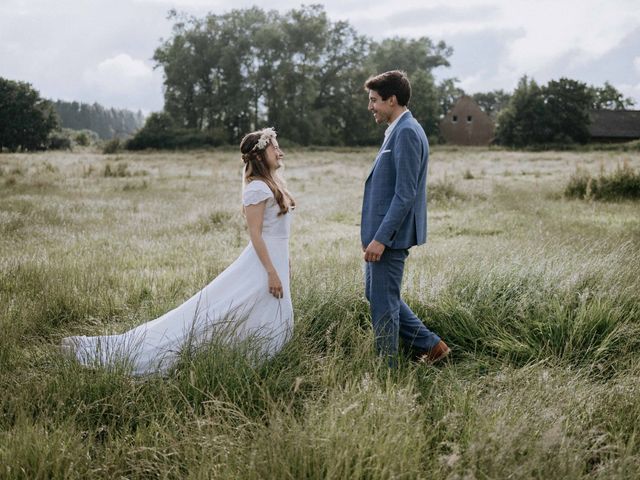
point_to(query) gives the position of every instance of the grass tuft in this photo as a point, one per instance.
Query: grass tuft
(621, 184)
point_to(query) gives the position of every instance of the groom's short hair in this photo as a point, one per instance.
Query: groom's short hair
(393, 82)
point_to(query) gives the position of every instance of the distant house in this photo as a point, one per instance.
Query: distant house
(614, 125)
(467, 124)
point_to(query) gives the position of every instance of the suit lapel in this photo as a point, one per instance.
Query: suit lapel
(386, 142)
(375, 162)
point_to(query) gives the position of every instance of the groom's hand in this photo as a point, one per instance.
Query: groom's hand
(373, 252)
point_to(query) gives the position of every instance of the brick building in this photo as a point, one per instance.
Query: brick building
(467, 124)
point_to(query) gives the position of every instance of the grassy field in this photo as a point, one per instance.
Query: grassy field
(538, 295)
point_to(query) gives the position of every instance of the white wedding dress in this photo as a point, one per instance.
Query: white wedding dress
(235, 306)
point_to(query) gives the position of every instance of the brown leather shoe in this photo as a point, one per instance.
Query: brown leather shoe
(437, 353)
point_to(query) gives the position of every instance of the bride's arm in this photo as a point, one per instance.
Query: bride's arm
(255, 216)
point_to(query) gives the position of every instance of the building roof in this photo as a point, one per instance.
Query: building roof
(615, 123)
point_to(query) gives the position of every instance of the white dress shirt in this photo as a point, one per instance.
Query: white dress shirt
(393, 124)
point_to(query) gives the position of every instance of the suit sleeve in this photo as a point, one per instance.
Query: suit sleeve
(407, 156)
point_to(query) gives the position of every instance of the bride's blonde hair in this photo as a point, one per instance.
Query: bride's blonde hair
(253, 147)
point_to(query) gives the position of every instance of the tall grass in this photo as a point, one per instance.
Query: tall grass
(543, 316)
(622, 183)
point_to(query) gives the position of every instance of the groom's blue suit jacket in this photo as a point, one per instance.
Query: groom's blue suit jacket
(394, 207)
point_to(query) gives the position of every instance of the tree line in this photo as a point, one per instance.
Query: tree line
(108, 123)
(555, 113)
(302, 73)
(297, 71)
(29, 122)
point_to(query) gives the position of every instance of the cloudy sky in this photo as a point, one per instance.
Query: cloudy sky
(100, 50)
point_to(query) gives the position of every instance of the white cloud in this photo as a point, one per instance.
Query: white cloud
(124, 66)
(580, 30)
(543, 39)
(636, 64)
(122, 81)
(474, 83)
(119, 73)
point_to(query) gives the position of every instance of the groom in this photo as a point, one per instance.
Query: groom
(394, 218)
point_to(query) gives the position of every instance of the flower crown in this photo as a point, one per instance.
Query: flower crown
(267, 134)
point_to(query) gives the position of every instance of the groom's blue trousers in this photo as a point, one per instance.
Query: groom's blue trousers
(391, 316)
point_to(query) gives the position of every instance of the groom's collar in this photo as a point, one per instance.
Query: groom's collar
(393, 124)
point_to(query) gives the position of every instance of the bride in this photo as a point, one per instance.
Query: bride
(250, 300)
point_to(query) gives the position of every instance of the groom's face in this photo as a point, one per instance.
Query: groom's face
(381, 109)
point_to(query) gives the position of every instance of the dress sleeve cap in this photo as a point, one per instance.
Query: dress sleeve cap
(255, 192)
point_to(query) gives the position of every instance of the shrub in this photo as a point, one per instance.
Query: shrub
(84, 137)
(622, 183)
(112, 146)
(59, 140)
(173, 139)
(443, 190)
(119, 170)
(161, 132)
(577, 185)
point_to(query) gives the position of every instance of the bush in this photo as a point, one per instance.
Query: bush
(112, 146)
(59, 140)
(82, 139)
(67, 138)
(85, 137)
(173, 139)
(623, 183)
(444, 190)
(117, 170)
(632, 146)
(161, 132)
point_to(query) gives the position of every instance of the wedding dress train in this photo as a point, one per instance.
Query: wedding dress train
(235, 306)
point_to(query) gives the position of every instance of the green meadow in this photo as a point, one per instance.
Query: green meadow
(537, 294)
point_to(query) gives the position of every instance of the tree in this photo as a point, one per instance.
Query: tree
(213, 69)
(156, 133)
(297, 71)
(609, 98)
(292, 100)
(25, 119)
(555, 113)
(492, 102)
(567, 104)
(340, 99)
(523, 121)
(447, 94)
(409, 55)
(416, 57)
(424, 102)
